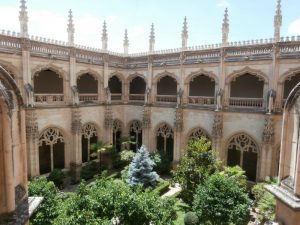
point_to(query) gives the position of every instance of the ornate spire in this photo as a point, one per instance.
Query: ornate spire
(225, 29)
(23, 18)
(71, 29)
(184, 34)
(151, 39)
(126, 43)
(104, 37)
(277, 22)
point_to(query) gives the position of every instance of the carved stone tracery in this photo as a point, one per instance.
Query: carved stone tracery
(89, 130)
(197, 133)
(268, 133)
(178, 121)
(242, 142)
(165, 131)
(136, 126)
(51, 136)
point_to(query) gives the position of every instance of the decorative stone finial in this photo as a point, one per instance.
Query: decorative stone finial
(23, 18)
(71, 29)
(104, 37)
(277, 22)
(225, 29)
(151, 39)
(184, 34)
(126, 42)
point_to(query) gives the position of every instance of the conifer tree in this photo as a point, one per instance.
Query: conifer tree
(141, 170)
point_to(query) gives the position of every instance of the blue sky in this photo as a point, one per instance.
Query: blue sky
(249, 19)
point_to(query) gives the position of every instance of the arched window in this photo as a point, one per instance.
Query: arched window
(289, 84)
(136, 130)
(246, 91)
(165, 140)
(48, 87)
(137, 89)
(197, 133)
(117, 134)
(115, 87)
(242, 151)
(167, 89)
(202, 90)
(89, 136)
(48, 82)
(87, 87)
(51, 150)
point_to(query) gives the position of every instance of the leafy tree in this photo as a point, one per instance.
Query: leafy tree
(127, 156)
(162, 162)
(198, 163)
(236, 173)
(221, 201)
(264, 201)
(107, 199)
(47, 211)
(140, 170)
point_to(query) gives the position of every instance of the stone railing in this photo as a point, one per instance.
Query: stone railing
(201, 100)
(49, 98)
(137, 97)
(246, 102)
(116, 97)
(49, 49)
(86, 97)
(166, 98)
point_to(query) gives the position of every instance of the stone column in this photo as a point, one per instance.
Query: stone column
(217, 134)
(76, 159)
(72, 78)
(178, 127)
(125, 91)
(265, 159)
(32, 138)
(26, 72)
(8, 162)
(146, 127)
(108, 124)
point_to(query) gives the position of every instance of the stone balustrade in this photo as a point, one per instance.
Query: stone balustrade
(49, 98)
(246, 102)
(166, 98)
(201, 100)
(116, 97)
(137, 97)
(87, 97)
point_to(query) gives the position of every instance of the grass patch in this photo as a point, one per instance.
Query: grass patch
(181, 209)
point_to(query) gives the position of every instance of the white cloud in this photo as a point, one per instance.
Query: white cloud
(294, 27)
(223, 3)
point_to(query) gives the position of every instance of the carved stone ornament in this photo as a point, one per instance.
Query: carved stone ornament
(136, 127)
(217, 131)
(146, 117)
(89, 130)
(242, 142)
(268, 133)
(76, 122)
(108, 117)
(165, 131)
(178, 121)
(32, 129)
(26, 44)
(197, 133)
(51, 136)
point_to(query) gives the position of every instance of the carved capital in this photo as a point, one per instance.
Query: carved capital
(268, 133)
(217, 131)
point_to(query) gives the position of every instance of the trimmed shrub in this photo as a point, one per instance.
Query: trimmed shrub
(191, 218)
(57, 176)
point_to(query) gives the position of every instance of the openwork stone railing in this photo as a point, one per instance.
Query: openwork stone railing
(84, 97)
(166, 98)
(49, 98)
(246, 102)
(116, 97)
(201, 100)
(137, 97)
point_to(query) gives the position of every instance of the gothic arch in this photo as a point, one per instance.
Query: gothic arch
(119, 75)
(135, 129)
(52, 150)
(200, 72)
(9, 89)
(89, 135)
(288, 74)
(11, 69)
(247, 70)
(134, 75)
(58, 70)
(165, 139)
(117, 132)
(93, 73)
(197, 132)
(164, 74)
(243, 150)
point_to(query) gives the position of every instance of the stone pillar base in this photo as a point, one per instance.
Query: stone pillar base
(75, 169)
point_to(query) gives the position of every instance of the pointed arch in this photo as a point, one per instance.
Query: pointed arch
(117, 129)
(135, 75)
(200, 72)
(165, 139)
(56, 69)
(243, 150)
(11, 69)
(90, 71)
(118, 74)
(198, 132)
(247, 70)
(51, 150)
(289, 74)
(135, 130)
(158, 76)
(89, 136)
